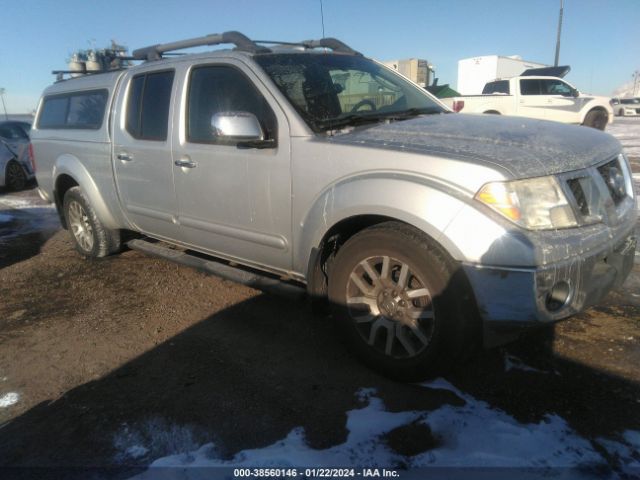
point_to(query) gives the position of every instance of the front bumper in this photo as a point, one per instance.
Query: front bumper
(511, 299)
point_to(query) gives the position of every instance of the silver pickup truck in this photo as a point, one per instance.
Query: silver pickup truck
(306, 166)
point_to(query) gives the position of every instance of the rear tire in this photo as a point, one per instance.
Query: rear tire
(402, 304)
(14, 177)
(90, 238)
(596, 119)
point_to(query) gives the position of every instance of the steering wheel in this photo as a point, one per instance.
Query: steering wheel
(362, 103)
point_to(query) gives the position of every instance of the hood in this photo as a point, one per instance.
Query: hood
(520, 147)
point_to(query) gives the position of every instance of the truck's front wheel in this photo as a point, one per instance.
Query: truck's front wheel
(397, 298)
(89, 236)
(596, 119)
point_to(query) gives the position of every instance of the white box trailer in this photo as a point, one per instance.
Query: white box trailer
(474, 73)
(415, 69)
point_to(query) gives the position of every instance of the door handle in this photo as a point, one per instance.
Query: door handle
(124, 157)
(185, 162)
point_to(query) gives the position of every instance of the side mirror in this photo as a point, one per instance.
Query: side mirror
(236, 126)
(575, 93)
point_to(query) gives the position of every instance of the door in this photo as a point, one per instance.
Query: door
(563, 105)
(233, 201)
(531, 103)
(142, 152)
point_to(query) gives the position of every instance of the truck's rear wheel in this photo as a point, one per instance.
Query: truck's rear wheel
(596, 119)
(393, 293)
(89, 236)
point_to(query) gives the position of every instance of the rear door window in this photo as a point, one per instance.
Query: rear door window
(530, 87)
(499, 87)
(148, 105)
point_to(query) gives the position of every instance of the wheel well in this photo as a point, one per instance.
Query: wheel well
(63, 183)
(13, 160)
(322, 256)
(597, 109)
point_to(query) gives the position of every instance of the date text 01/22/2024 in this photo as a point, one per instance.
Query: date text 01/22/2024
(315, 473)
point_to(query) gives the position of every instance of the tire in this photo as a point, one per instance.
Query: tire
(491, 112)
(14, 176)
(402, 304)
(596, 119)
(621, 113)
(90, 238)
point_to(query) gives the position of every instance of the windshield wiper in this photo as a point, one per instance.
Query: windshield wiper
(355, 119)
(412, 112)
(352, 119)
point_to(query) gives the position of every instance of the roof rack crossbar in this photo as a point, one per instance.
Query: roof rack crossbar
(330, 42)
(242, 42)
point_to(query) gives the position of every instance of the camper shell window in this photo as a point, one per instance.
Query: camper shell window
(80, 110)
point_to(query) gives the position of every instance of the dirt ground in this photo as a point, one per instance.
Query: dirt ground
(95, 346)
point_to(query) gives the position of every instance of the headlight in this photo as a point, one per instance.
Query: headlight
(535, 203)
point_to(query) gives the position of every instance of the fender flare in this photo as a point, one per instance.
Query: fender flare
(432, 208)
(70, 165)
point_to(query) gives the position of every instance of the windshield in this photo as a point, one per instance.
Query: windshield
(331, 91)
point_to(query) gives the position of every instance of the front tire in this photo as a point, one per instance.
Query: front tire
(15, 178)
(596, 119)
(90, 238)
(398, 299)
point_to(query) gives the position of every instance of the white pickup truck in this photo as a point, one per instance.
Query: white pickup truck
(542, 97)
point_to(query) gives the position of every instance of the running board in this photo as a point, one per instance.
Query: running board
(251, 279)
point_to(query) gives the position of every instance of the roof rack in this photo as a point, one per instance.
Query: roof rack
(328, 42)
(242, 42)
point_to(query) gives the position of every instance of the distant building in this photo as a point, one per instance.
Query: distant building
(474, 72)
(415, 69)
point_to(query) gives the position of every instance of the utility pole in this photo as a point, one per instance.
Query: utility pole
(3, 104)
(559, 32)
(636, 81)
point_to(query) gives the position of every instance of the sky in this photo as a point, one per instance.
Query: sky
(600, 38)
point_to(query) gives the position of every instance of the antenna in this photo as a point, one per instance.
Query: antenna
(322, 18)
(559, 32)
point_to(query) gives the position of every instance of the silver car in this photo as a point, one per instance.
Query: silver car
(16, 157)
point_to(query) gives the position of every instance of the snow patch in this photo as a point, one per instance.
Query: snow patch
(6, 218)
(9, 399)
(473, 435)
(13, 201)
(154, 438)
(136, 451)
(514, 363)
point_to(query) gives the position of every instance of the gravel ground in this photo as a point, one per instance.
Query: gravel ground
(92, 350)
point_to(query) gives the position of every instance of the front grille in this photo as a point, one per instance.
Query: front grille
(578, 194)
(594, 193)
(613, 176)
